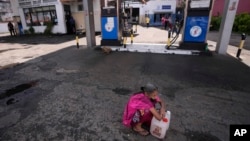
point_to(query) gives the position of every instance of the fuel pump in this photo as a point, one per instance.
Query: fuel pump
(110, 23)
(196, 24)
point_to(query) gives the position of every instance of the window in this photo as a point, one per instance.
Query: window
(80, 7)
(48, 1)
(38, 16)
(27, 16)
(47, 17)
(34, 18)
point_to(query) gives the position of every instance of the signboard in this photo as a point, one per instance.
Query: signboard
(196, 29)
(200, 3)
(166, 6)
(109, 28)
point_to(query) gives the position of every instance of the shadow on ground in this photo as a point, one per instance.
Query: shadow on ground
(39, 39)
(80, 95)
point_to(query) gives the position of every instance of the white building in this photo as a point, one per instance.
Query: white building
(37, 13)
(155, 9)
(5, 15)
(5, 11)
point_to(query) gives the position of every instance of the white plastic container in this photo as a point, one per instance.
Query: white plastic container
(159, 128)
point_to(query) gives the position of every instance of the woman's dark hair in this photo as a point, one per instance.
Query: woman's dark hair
(149, 88)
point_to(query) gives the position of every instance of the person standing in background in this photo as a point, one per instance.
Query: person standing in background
(11, 29)
(147, 21)
(20, 28)
(163, 21)
(166, 23)
(72, 25)
(175, 28)
(137, 19)
(170, 22)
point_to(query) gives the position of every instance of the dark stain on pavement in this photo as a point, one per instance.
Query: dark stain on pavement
(18, 89)
(47, 66)
(200, 136)
(11, 101)
(122, 91)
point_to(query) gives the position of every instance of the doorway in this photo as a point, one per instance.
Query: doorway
(136, 15)
(68, 16)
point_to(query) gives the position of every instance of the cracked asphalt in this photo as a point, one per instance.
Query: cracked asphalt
(79, 94)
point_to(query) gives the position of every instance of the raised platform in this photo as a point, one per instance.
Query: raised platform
(113, 43)
(193, 46)
(153, 48)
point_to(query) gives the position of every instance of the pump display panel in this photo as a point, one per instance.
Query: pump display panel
(200, 4)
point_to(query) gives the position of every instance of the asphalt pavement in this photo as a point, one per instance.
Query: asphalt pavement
(50, 90)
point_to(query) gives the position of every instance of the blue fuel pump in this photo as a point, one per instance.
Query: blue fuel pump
(110, 27)
(196, 24)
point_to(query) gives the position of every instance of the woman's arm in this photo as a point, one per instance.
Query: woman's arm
(155, 113)
(163, 108)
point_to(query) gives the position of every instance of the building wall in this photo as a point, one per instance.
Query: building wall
(14, 7)
(4, 27)
(79, 16)
(152, 7)
(79, 19)
(5, 15)
(243, 7)
(5, 11)
(59, 28)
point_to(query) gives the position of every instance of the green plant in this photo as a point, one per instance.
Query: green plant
(215, 23)
(26, 32)
(48, 29)
(242, 23)
(32, 30)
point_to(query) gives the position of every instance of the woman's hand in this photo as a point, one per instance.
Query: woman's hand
(162, 112)
(155, 113)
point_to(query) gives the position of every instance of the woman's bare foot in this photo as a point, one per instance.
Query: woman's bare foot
(140, 130)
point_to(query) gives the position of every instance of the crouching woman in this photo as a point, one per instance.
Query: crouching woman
(140, 109)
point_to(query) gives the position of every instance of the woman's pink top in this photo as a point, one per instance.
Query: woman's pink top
(138, 102)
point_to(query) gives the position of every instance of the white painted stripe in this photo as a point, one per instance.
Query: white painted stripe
(152, 48)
